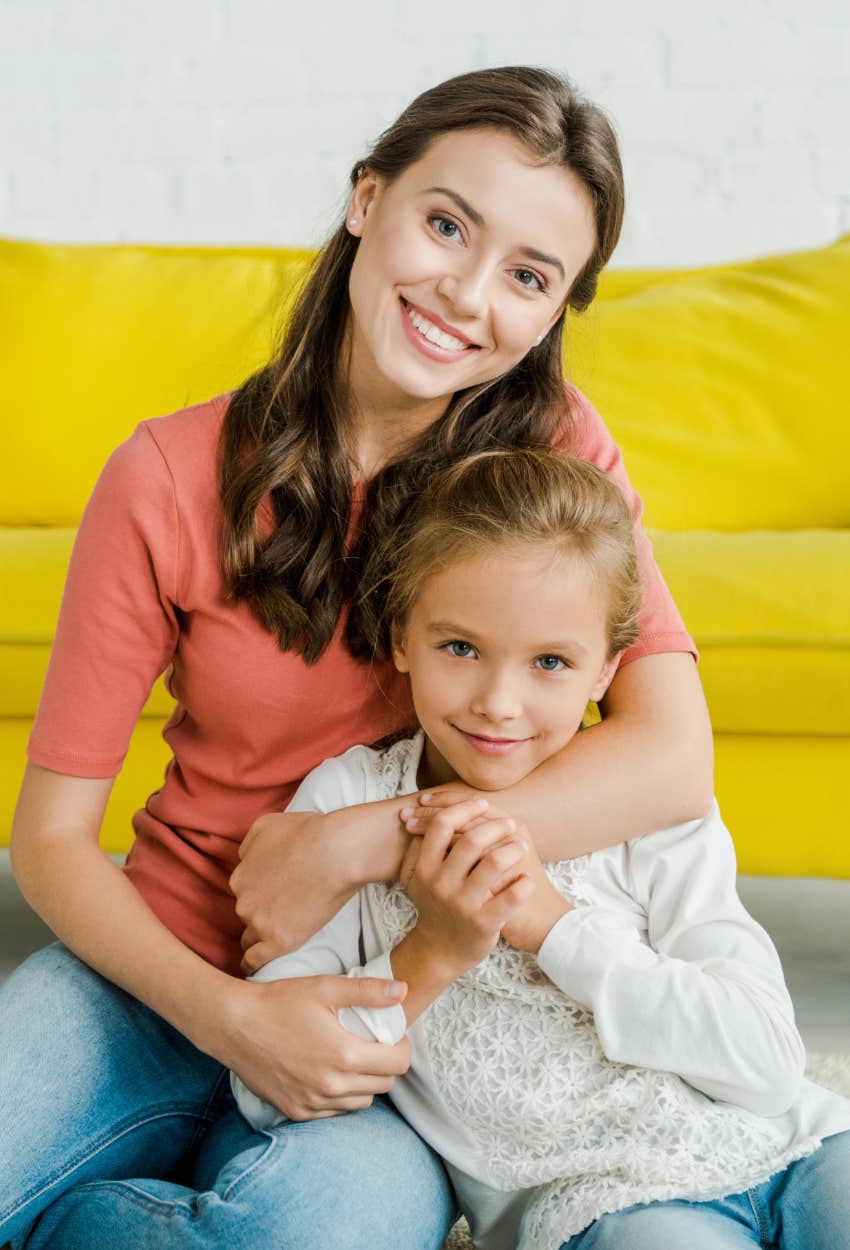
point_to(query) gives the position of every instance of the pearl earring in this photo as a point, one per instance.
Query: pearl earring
(538, 340)
(354, 221)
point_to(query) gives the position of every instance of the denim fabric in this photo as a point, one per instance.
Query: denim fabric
(116, 1131)
(806, 1207)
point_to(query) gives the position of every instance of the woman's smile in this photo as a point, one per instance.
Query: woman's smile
(431, 336)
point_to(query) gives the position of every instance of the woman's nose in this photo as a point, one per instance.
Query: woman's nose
(466, 290)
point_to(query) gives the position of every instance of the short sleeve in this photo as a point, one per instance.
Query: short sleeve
(118, 623)
(661, 626)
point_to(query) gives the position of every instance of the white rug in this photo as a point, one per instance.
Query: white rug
(832, 1071)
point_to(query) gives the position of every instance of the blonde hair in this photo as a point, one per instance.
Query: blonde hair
(498, 499)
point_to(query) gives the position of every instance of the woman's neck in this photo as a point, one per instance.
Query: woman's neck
(385, 419)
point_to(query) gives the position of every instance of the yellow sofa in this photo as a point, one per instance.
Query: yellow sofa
(727, 387)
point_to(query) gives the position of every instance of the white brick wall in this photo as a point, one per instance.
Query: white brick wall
(237, 120)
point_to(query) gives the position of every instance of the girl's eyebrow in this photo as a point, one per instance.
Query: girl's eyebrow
(475, 217)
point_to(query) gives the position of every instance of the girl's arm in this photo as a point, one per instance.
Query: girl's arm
(704, 996)
(646, 766)
(285, 1039)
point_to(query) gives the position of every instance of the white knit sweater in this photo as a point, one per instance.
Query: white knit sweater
(648, 1052)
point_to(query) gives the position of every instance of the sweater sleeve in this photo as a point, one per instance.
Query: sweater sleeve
(117, 627)
(706, 997)
(661, 626)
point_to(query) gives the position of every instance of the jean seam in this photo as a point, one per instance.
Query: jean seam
(206, 1116)
(52, 1179)
(763, 1230)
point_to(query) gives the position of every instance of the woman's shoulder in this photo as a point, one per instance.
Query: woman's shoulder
(187, 439)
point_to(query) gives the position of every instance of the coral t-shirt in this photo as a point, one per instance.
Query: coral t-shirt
(144, 596)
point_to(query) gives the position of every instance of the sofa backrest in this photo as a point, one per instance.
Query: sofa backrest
(726, 387)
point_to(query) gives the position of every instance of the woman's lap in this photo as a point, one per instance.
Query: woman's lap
(351, 1181)
(96, 1089)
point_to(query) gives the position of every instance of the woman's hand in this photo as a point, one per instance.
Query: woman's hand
(289, 882)
(284, 1040)
(463, 877)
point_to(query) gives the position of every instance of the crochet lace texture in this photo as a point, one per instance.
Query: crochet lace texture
(520, 1065)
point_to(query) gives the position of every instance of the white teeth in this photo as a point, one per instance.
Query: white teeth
(433, 334)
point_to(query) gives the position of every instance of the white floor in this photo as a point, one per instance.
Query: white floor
(808, 919)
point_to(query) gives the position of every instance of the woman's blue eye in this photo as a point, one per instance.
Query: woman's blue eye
(550, 663)
(524, 274)
(461, 649)
(436, 218)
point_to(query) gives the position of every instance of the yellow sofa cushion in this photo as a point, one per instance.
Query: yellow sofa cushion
(727, 388)
(770, 612)
(706, 376)
(95, 339)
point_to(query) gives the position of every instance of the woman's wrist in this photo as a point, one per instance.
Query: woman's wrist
(211, 1017)
(371, 842)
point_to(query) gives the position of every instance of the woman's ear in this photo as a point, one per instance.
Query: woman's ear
(398, 642)
(361, 200)
(606, 676)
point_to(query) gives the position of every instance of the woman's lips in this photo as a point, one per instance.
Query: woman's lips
(492, 746)
(443, 354)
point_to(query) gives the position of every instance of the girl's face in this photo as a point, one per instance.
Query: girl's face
(504, 651)
(463, 261)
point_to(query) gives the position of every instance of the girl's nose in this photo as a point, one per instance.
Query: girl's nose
(496, 701)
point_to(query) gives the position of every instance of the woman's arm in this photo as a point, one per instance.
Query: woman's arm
(284, 1039)
(646, 766)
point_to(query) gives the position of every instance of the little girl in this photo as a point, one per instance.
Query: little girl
(603, 1050)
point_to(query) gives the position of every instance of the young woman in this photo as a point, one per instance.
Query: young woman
(223, 545)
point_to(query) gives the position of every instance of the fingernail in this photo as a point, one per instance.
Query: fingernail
(425, 798)
(407, 812)
(394, 988)
(511, 823)
(412, 822)
(480, 802)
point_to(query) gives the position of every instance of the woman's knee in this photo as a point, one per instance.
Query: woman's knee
(360, 1179)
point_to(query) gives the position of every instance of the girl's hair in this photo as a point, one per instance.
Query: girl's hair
(286, 437)
(507, 499)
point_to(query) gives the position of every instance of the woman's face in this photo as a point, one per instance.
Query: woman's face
(464, 260)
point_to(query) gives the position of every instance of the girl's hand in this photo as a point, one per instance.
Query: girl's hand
(288, 883)
(529, 924)
(284, 1040)
(465, 883)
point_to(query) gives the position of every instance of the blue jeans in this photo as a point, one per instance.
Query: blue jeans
(806, 1207)
(116, 1132)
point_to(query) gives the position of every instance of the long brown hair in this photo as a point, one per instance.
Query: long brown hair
(285, 437)
(505, 499)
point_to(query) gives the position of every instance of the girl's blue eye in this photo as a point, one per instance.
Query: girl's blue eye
(524, 274)
(460, 649)
(551, 663)
(446, 221)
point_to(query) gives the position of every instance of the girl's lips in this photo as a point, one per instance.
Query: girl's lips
(492, 746)
(443, 354)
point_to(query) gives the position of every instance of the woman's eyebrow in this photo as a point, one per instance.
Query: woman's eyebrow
(475, 217)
